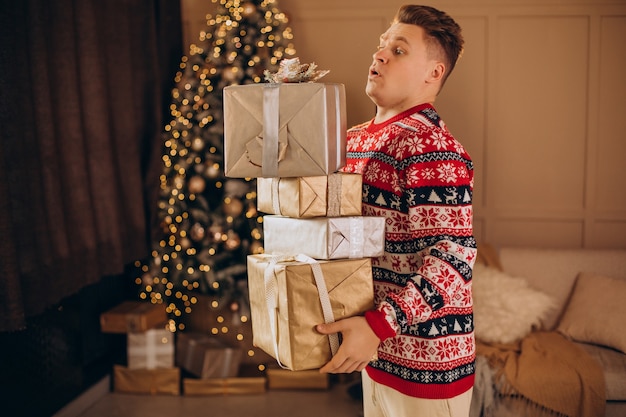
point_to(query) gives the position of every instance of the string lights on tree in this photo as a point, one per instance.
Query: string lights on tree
(208, 223)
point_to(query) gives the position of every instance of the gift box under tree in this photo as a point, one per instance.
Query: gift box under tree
(164, 381)
(133, 316)
(151, 349)
(206, 356)
(278, 378)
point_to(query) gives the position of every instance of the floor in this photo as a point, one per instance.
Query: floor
(335, 402)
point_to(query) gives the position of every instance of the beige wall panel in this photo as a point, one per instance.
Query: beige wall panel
(536, 233)
(537, 144)
(607, 235)
(611, 137)
(538, 99)
(479, 230)
(462, 102)
(344, 47)
(359, 5)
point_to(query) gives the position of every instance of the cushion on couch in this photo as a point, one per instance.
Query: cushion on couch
(596, 311)
(554, 271)
(506, 308)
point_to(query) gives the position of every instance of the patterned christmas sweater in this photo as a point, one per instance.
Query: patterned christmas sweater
(420, 179)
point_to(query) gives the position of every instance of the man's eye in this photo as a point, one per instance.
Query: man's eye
(398, 51)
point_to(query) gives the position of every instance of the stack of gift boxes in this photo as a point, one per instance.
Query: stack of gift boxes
(161, 362)
(316, 265)
(150, 349)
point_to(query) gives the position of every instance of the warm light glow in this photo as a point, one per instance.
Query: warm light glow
(205, 228)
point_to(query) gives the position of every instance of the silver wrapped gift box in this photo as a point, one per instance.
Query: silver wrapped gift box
(205, 356)
(284, 130)
(325, 237)
(151, 349)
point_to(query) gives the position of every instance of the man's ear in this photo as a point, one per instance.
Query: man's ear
(437, 71)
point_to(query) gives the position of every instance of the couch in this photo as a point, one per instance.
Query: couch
(578, 295)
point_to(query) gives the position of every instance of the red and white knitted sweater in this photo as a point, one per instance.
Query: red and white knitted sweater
(420, 178)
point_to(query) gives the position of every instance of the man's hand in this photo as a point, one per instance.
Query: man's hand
(358, 347)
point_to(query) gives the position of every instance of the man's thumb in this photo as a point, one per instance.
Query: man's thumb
(328, 328)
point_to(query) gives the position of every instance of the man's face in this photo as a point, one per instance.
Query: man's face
(402, 69)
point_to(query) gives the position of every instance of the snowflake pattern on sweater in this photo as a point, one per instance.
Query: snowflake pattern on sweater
(417, 176)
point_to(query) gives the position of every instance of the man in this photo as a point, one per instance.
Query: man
(416, 349)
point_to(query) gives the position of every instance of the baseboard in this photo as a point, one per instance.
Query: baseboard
(86, 399)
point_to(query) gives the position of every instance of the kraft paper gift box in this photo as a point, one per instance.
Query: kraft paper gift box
(206, 356)
(286, 304)
(286, 379)
(151, 349)
(325, 237)
(224, 386)
(333, 195)
(146, 381)
(284, 129)
(208, 318)
(132, 316)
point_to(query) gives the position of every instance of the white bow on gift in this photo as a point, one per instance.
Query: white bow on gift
(292, 71)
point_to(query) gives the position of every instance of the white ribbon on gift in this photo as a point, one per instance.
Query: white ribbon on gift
(271, 127)
(275, 196)
(357, 237)
(271, 298)
(155, 345)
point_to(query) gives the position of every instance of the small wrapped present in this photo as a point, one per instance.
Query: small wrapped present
(325, 237)
(146, 381)
(333, 195)
(286, 379)
(206, 356)
(132, 316)
(289, 297)
(224, 386)
(151, 349)
(209, 316)
(284, 130)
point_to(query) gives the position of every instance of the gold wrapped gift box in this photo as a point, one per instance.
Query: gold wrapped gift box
(224, 386)
(325, 237)
(207, 356)
(285, 379)
(284, 130)
(350, 290)
(333, 195)
(146, 381)
(132, 316)
(151, 349)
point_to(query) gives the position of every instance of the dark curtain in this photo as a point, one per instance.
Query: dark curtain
(83, 85)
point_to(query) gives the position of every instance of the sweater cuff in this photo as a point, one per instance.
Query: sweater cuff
(376, 320)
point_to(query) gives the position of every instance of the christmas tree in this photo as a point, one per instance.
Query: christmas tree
(208, 223)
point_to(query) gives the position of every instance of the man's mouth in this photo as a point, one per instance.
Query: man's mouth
(373, 72)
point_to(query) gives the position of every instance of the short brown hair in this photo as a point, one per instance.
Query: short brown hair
(441, 31)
